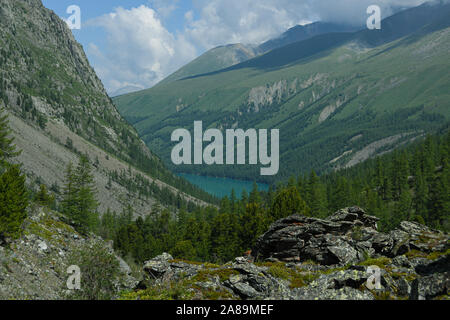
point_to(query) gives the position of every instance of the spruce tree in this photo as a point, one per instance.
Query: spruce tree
(79, 202)
(13, 195)
(69, 193)
(43, 198)
(288, 202)
(7, 148)
(13, 202)
(86, 203)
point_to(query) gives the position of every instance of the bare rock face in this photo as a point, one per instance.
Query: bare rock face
(347, 236)
(340, 239)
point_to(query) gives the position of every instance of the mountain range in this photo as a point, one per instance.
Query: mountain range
(226, 56)
(338, 98)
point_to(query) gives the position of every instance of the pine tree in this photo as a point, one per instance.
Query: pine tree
(402, 209)
(43, 198)
(340, 194)
(79, 201)
(224, 237)
(13, 202)
(225, 205)
(288, 202)
(68, 203)
(255, 196)
(420, 200)
(86, 213)
(317, 198)
(13, 195)
(233, 201)
(253, 223)
(7, 148)
(439, 200)
(378, 178)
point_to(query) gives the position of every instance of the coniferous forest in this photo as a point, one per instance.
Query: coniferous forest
(411, 183)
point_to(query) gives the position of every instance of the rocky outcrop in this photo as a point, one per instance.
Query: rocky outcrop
(343, 257)
(35, 266)
(341, 239)
(347, 236)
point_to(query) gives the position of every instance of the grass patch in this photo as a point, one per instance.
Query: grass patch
(407, 276)
(436, 255)
(430, 256)
(296, 278)
(166, 291)
(279, 270)
(381, 262)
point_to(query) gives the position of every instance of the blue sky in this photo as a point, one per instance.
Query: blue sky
(134, 44)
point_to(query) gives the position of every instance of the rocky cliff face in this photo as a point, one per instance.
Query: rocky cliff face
(303, 258)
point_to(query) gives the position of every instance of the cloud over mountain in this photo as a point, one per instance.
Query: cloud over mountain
(141, 50)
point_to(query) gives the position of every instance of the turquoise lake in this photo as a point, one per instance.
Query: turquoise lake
(221, 187)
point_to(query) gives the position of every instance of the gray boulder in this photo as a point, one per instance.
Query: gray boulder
(158, 266)
(429, 287)
(328, 242)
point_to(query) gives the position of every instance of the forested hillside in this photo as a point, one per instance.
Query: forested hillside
(411, 184)
(59, 111)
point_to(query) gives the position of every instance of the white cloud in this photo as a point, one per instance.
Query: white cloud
(189, 16)
(164, 7)
(250, 21)
(140, 51)
(354, 11)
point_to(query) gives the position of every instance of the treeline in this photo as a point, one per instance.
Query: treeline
(409, 184)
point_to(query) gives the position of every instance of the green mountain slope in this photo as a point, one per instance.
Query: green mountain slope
(213, 60)
(227, 56)
(58, 109)
(337, 99)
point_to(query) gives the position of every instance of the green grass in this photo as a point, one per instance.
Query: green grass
(380, 262)
(295, 276)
